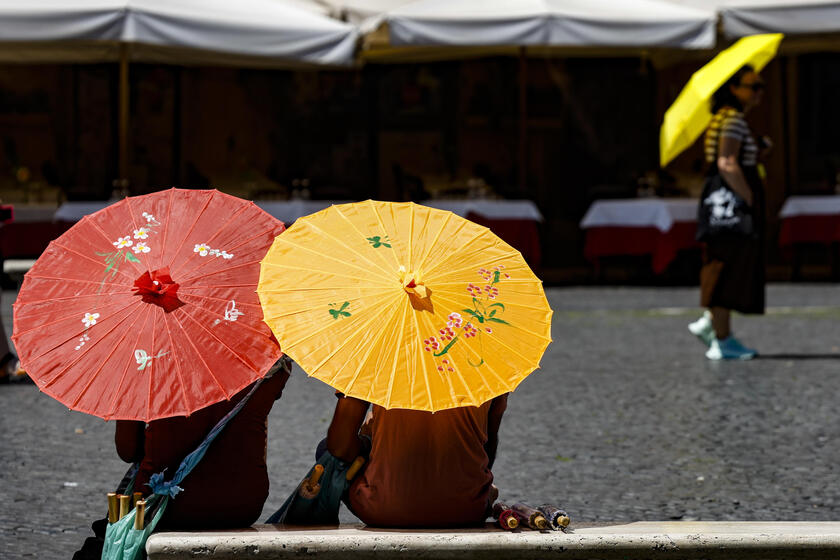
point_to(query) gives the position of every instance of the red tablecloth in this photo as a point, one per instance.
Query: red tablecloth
(522, 235)
(28, 239)
(610, 241)
(809, 229)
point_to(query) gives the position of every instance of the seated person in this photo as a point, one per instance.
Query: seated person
(228, 487)
(425, 469)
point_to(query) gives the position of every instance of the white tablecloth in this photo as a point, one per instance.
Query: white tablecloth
(75, 211)
(810, 206)
(492, 209)
(33, 213)
(286, 211)
(290, 210)
(660, 213)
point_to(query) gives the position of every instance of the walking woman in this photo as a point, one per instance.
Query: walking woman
(733, 273)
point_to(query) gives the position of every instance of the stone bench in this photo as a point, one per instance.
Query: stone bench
(17, 266)
(638, 541)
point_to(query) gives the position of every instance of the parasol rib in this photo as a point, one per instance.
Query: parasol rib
(430, 246)
(220, 271)
(304, 311)
(292, 345)
(102, 363)
(108, 239)
(338, 273)
(63, 298)
(81, 355)
(220, 315)
(150, 373)
(186, 235)
(232, 351)
(361, 234)
(179, 373)
(382, 225)
(453, 303)
(501, 257)
(418, 356)
(165, 231)
(144, 256)
(359, 333)
(392, 377)
(245, 242)
(206, 365)
(57, 321)
(117, 393)
(212, 237)
(120, 271)
(280, 241)
(461, 253)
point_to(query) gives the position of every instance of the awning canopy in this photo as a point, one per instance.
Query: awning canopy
(572, 23)
(791, 17)
(174, 31)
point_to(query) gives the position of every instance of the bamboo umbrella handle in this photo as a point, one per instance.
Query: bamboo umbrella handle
(309, 488)
(125, 505)
(313, 479)
(113, 508)
(354, 468)
(137, 496)
(139, 514)
(309, 492)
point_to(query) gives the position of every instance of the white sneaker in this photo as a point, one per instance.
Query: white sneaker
(729, 349)
(702, 329)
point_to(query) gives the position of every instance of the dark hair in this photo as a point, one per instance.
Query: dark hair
(724, 97)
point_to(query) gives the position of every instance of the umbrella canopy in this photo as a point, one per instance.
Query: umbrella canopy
(690, 114)
(146, 309)
(574, 23)
(172, 30)
(404, 306)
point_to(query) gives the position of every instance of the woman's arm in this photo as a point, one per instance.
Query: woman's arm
(730, 169)
(343, 440)
(494, 420)
(129, 439)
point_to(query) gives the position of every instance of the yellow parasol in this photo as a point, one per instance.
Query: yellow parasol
(404, 306)
(690, 114)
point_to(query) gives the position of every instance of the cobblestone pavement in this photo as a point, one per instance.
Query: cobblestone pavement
(625, 421)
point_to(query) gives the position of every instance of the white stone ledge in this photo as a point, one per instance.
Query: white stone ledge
(639, 541)
(11, 266)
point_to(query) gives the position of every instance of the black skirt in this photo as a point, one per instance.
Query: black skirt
(734, 271)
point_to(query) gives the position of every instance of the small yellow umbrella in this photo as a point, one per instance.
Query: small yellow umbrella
(404, 306)
(690, 114)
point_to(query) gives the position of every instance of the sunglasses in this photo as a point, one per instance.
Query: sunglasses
(757, 86)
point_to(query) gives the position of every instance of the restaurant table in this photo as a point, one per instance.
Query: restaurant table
(515, 221)
(810, 219)
(659, 227)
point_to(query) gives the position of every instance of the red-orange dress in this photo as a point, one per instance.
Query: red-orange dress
(425, 469)
(228, 487)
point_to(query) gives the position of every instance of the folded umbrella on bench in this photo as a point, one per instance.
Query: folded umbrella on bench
(317, 498)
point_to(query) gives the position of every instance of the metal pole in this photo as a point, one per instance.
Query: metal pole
(123, 117)
(523, 120)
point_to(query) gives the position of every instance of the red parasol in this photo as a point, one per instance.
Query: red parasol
(148, 308)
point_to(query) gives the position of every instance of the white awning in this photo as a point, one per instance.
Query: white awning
(791, 17)
(574, 23)
(174, 29)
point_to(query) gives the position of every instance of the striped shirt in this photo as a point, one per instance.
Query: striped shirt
(730, 123)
